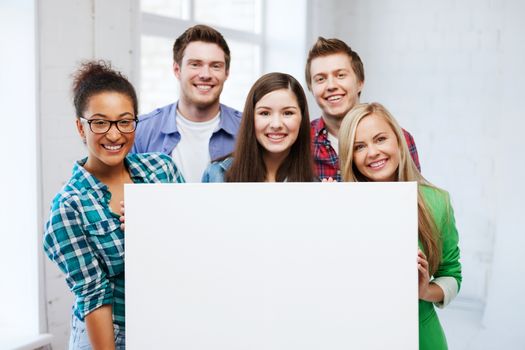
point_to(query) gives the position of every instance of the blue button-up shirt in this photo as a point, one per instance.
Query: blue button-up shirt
(157, 131)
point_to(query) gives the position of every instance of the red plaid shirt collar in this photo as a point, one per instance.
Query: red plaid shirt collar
(325, 158)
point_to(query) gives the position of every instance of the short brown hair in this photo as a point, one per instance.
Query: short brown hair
(325, 47)
(203, 33)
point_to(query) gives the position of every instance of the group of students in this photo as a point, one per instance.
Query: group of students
(198, 139)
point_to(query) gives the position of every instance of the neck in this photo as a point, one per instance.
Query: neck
(332, 124)
(196, 113)
(273, 162)
(107, 174)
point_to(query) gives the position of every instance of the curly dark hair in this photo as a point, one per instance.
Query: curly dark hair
(94, 77)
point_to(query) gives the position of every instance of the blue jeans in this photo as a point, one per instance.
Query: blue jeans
(79, 339)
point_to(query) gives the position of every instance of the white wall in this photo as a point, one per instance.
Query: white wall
(20, 259)
(505, 304)
(452, 74)
(70, 32)
(285, 40)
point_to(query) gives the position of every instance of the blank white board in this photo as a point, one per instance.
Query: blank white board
(271, 266)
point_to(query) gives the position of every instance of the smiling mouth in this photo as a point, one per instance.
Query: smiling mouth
(203, 87)
(113, 147)
(378, 165)
(334, 98)
(276, 137)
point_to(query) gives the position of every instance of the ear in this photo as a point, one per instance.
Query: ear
(176, 70)
(360, 86)
(80, 129)
(227, 73)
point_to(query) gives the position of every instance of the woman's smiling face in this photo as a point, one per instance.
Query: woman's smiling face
(376, 149)
(110, 148)
(277, 121)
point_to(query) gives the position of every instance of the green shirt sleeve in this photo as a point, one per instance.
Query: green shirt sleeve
(441, 208)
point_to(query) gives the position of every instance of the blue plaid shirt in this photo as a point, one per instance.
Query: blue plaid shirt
(84, 238)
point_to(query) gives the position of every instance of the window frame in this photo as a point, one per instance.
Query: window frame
(155, 25)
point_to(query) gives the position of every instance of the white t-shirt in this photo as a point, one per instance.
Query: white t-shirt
(334, 142)
(192, 153)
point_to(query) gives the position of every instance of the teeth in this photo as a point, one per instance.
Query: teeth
(334, 98)
(377, 164)
(276, 136)
(204, 87)
(112, 148)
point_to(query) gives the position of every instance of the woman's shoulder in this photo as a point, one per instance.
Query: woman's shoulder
(155, 167)
(216, 170)
(434, 194)
(153, 158)
(75, 189)
(438, 201)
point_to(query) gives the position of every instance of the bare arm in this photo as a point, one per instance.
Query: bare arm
(99, 325)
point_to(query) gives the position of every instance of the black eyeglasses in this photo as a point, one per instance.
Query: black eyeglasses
(102, 126)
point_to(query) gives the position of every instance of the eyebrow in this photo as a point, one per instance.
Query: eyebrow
(287, 107)
(373, 137)
(332, 71)
(198, 60)
(105, 116)
(380, 133)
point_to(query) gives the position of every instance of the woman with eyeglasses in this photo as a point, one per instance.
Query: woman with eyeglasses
(83, 235)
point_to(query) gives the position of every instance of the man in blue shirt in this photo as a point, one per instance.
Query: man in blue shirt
(198, 128)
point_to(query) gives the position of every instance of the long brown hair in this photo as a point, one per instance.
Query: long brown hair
(248, 164)
(406, 171)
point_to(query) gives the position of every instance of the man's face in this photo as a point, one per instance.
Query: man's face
(202, 74)
(334, 84)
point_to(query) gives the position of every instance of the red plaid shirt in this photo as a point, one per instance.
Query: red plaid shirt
(327, 161)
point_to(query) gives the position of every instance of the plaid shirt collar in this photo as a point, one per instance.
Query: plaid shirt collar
(320, 133)
(85, 181)
(325, 157)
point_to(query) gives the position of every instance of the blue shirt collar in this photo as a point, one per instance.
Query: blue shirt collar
(226, 120)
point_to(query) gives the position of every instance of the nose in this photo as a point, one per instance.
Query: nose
(113, 133)
(276, 121)
(330, 83)
(373, 151)
(204, 72)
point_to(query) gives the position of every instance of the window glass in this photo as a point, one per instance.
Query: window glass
(242, 15)
(244, 70)
(170, 8)
(158, 85)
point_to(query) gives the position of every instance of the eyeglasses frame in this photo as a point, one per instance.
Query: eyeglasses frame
(111, 122)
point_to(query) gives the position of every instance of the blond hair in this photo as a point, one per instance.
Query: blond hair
(406, 171)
